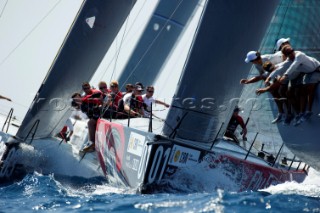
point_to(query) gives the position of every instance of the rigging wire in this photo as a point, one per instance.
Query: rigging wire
(29, 33)
(118, 49)
(282, 23)
(187, 47)
(262, 46)
(205, 4)
(121, 42)
(24, 38)
(5, 4)
(153, 41)
(149, 47)
(134, 21)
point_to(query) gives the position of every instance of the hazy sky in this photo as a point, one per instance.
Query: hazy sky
(31, 33)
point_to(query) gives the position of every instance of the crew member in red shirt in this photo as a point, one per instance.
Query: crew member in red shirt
(91, 104)
(236, 120)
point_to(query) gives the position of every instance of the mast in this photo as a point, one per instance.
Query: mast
(158, 39)
(209, 87)
(94, 29)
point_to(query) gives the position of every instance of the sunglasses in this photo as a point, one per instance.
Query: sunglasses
(85, 88)
(102, 87)
(151, 91)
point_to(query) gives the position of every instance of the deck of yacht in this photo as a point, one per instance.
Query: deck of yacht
(221, 145)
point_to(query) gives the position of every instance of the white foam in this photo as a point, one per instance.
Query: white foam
(309, 187)
(189, 179)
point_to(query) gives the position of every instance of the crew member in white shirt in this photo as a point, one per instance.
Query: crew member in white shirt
(148, 99)
(258, 60)
(272, 84)
(309, 66)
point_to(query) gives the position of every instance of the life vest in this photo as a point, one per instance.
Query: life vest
(91, 104)
(95, 98)
(136, 102)
(116, 98)
(234, 122)
(63, 132)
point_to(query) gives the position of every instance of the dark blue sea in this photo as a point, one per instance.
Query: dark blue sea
(48, 193)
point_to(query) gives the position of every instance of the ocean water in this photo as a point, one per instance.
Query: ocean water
(49, 193)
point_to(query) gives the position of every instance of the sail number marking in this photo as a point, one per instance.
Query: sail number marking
(9, 163)
(159, 156)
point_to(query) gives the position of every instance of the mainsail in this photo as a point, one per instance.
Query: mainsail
(94, 29)
(209, 87)
(162, 31)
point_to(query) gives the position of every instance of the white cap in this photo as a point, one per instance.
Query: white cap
(252, 55)
(139, 88)
(281, 41)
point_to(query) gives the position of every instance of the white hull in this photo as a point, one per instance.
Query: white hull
(64, 159)
(51, 156)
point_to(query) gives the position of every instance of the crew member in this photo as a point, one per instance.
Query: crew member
(236, 120)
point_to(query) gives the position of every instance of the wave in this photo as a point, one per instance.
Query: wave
(309, 187)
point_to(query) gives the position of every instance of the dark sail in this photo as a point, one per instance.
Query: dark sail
(158, 39)
(210, 82)
(89, 38)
